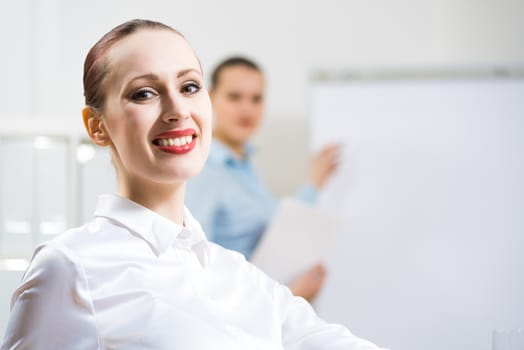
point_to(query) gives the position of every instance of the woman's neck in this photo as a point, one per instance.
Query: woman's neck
(165, 200)
(238, 148)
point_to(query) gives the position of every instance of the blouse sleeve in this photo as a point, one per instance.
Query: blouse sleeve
(52, 308)
(302, 329)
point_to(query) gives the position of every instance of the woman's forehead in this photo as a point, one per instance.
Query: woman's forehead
(152, 51)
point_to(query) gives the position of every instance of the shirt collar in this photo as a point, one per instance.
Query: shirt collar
(222, 154)
(159, 232)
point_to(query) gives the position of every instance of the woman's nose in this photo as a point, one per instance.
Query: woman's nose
(174, 109)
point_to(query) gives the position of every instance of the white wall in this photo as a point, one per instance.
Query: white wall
(44, 44)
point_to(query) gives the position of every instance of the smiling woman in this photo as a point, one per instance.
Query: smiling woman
(141, 274)
(149, 101)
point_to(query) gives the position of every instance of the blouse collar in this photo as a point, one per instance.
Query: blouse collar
(159, 232)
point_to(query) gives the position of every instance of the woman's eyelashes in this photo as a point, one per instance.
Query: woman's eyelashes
(143, 95)
(190, 88)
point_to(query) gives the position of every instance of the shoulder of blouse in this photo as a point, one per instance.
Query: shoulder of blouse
(55, 265)
(52, 294)
(52, 266)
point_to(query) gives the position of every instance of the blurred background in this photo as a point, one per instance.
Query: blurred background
(49, 172)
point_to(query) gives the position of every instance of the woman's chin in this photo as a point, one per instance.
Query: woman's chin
(185, 174)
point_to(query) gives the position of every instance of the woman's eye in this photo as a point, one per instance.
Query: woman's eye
(190, 88)
(142, 95)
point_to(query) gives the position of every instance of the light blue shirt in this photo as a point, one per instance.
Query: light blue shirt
(230, 201)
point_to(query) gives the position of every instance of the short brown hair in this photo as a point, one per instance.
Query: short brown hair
(234, 61)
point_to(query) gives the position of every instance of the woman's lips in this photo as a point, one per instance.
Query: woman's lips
(176, 141)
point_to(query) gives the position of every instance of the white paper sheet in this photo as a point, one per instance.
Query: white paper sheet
(298, 237)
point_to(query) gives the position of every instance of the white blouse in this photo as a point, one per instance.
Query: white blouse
(132, 279)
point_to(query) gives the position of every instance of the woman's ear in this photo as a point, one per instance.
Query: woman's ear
(95, 128)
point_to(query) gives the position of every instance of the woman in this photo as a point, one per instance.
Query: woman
(141, 274)
(228, 198)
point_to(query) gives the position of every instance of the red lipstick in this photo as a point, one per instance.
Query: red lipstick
(176, 141)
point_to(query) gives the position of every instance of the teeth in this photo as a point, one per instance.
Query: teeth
(177, 141)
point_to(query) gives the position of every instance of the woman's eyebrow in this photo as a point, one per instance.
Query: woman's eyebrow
(152, 76)
(186, 71)
(149, 76)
